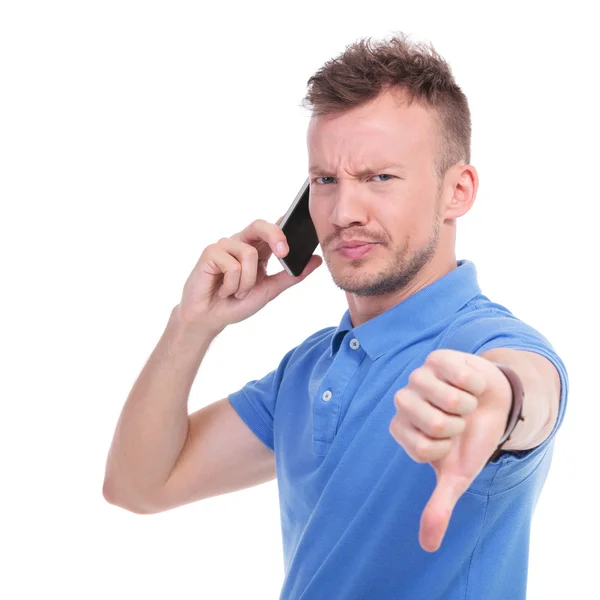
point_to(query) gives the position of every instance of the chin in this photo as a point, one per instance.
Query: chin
(360, 284)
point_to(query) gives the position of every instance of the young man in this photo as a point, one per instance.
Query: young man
(384, 431)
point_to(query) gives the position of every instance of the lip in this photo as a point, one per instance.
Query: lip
(356, 250)
(352, 244)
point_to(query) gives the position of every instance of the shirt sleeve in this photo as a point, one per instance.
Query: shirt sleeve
(497, 329)
(255, 402)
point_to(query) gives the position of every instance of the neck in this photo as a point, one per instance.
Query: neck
(364, 308)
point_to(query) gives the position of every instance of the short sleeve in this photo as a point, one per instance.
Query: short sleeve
(255, 402)
(488, 329)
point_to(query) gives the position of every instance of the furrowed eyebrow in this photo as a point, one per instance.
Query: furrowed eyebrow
(317, 170)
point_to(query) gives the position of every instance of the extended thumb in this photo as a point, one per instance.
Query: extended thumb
(436, 515)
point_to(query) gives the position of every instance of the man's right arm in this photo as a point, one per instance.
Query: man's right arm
(160, 457)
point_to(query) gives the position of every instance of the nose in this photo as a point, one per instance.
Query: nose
(349, 209)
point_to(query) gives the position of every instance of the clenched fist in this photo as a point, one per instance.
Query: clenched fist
(452, 414)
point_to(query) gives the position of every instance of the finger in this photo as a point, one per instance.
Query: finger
(417, 445)
(438, 511)
(263, 231)
(220, 260)
(283, 280)
(247, 256)
(452, 367)
(446, 397)
(429, 419)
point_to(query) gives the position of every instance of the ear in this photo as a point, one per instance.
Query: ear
(460, 190)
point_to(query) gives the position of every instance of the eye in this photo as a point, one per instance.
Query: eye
(380, 175)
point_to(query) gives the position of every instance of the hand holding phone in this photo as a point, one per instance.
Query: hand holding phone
(229, 282)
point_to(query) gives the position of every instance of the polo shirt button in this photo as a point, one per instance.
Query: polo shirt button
(326, 396)
(354, 344)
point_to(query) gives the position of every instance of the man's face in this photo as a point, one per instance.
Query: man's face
(396, 205)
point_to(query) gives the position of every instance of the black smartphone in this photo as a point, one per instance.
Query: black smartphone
(300, 233)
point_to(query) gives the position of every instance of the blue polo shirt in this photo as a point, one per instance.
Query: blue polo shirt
(350, 497)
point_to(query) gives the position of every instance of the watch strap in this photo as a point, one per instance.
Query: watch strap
(516, 409)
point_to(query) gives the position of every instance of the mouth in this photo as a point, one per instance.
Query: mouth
(355, 250)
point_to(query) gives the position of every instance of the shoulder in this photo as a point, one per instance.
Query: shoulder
(484, 324)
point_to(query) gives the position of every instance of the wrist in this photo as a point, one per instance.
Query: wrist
(196, 326)
(516, 407)
(190, 335)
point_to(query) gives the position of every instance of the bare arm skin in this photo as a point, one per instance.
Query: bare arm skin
(160, 456)
(221, 455)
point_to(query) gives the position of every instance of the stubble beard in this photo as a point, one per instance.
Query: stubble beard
(397, 275)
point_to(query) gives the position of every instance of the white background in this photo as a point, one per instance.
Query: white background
(134, 134)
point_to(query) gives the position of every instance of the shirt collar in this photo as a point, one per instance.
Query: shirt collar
(404, 321)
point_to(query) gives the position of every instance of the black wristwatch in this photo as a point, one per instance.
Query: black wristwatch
(516, 409)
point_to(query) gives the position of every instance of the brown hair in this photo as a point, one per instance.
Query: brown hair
(366, 69)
